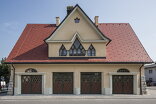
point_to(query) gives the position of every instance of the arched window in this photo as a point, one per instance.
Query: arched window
(91, 51)
(62, 51)
(123, 70)
(30, 70)
(77, 49)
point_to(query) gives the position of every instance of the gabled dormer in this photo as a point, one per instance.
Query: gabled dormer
(77, 36)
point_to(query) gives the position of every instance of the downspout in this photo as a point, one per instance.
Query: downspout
(140, 79)
(13, 78)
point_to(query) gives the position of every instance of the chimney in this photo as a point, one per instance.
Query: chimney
(57, 21)
(69, 9)
(96, 20)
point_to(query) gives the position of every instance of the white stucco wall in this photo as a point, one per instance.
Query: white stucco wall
(107, 70)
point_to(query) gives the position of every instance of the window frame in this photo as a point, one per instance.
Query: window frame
(77, 20)
(91, 51)
(30, 70)
(123, 70)
(77, 50)
(62, 51)
(150, 71)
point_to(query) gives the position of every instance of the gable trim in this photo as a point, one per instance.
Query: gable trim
(74, 37)
(85, 15)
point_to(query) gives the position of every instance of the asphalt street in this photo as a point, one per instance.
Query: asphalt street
(131, 99)
(81, 101)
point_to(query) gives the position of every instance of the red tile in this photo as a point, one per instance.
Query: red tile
(124, 47)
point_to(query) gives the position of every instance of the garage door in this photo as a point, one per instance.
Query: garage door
(31, 84)
(122, 84)
(90, 83)
(63, 83)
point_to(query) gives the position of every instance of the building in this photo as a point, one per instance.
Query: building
(150, 74)
(78, 56)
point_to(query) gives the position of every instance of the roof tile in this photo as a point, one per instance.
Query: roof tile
(124, 47)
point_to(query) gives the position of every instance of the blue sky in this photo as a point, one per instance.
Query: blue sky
(15, 14)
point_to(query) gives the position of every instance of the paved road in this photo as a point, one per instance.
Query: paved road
(116, 100)
(81, 101)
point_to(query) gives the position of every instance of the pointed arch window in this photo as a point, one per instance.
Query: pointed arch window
(77, 49)
(62, 51)
(91, 51)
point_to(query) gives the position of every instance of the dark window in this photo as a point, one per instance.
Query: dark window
(77, 49)
(62, 51)
(30, 70)
(91, 51)
(150, 79)
(150, 71)
(123, 70)
(77, 20)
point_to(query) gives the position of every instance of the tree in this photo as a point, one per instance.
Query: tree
(4, 71)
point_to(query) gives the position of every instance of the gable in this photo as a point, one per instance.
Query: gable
(68, 28)
(35, 49)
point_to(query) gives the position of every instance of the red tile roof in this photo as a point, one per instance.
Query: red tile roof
(125, 46)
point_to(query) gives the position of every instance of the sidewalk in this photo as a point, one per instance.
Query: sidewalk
(151, 95)
(50, 97)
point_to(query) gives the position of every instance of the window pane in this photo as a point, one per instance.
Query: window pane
(91, 51)
(76, 43)
(93, 54)
(150, 71)
(77, 49)
(62, 51)
(77, 20)
(74, 51)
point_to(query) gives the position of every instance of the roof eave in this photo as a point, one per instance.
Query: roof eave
(78, 62)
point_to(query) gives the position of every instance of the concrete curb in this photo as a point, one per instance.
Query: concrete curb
(36, 97)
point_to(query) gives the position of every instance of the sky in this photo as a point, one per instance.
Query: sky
(15, 14)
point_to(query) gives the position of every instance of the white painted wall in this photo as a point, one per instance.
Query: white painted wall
(150, 75)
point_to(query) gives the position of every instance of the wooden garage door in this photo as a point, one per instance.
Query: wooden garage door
(31, 84)
(90, 83)
(122, 84)
(63, 83)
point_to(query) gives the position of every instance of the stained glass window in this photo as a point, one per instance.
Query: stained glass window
(91, 51)
(77, 49)
(62, 51)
